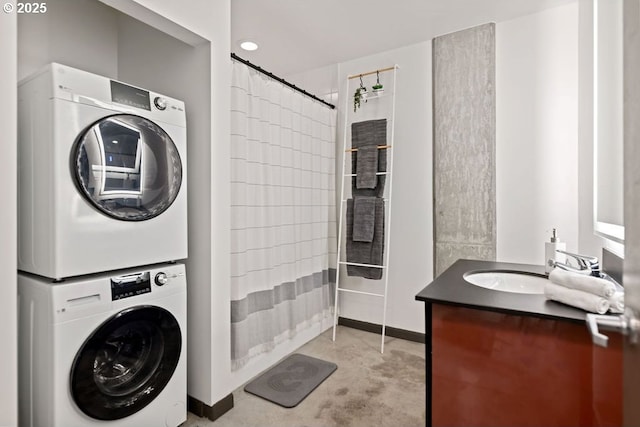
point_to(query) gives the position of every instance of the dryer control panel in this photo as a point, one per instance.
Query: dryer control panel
(130, 285)
(130, 95)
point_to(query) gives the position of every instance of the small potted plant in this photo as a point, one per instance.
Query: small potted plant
(378, 89)
(359, 96)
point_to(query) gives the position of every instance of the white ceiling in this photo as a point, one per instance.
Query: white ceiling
(300, 35)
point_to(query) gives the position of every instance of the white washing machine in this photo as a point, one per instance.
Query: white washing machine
(101, 175)
(104, 349)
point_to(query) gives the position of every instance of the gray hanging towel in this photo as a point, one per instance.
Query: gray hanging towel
(366, 167)
(364, 217)
(366, 252)
(366, 134)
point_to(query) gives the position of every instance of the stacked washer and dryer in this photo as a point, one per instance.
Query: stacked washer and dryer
(102, 222)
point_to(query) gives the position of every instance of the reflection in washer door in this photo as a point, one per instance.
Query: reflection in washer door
(126, 362)
(127, 167)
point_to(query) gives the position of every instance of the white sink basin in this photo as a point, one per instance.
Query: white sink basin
(508, 281)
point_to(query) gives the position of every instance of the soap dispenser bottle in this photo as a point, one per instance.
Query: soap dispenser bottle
(550, 254)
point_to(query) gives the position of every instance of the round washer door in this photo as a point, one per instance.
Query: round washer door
(126, 362)
(127, 167)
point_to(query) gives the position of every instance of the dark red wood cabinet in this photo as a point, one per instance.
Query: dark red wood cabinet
(497, 369)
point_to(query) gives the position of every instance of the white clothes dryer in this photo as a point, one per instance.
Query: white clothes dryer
(103, 350)
(101, 175)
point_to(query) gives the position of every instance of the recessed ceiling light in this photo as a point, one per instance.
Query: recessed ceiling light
(248, 45)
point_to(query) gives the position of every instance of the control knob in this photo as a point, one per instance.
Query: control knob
(160, 103)
(161, 279)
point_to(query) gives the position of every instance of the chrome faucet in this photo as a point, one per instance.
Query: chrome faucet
(588, 265)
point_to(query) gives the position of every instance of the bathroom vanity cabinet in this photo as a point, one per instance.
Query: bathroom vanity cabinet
(505, 359)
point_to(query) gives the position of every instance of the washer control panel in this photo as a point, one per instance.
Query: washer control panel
(130, 285)
(162, 280)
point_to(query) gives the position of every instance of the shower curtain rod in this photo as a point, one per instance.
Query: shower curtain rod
(280, 79)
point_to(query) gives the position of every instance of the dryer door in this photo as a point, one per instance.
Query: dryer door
(127, 167)
(126, 362)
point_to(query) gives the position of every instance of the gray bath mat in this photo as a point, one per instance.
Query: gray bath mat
(291, 380)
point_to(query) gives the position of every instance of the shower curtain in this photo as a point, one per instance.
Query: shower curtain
(283, 221)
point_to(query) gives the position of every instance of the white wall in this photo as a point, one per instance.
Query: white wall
(69, 33)
(545, 156)
(537, 133)
(206, 19)
(321, 82)
(8, 222)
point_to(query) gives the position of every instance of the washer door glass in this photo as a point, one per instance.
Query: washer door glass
(127, 167)
(126, 362)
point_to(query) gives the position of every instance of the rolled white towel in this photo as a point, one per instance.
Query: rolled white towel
(584, 300)
(581, 282)
(616, 302)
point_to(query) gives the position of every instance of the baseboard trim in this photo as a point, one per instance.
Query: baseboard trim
(389, 331)
(214, 412)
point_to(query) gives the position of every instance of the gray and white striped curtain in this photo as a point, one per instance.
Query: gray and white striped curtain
(283, 225)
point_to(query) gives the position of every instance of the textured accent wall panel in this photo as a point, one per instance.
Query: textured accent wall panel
(464, 108)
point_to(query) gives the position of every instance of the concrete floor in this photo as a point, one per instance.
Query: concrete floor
(367, 389)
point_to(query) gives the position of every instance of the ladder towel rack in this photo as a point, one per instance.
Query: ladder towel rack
(387, 173)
